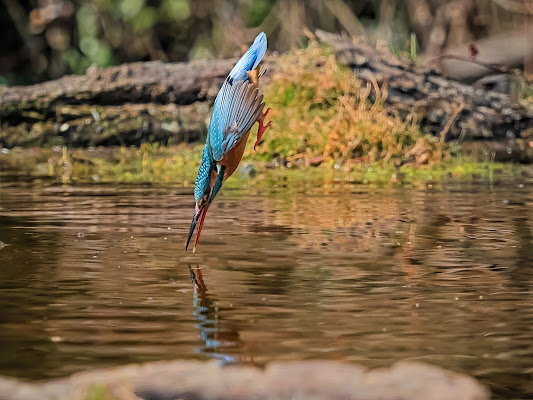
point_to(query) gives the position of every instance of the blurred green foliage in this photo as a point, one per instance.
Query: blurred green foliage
(44, 39)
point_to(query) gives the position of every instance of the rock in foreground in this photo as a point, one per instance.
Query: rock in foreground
(195, 380)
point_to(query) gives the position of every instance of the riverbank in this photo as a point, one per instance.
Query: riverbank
(179, 164)
(330, 121)
(337, 99)
(280, 381)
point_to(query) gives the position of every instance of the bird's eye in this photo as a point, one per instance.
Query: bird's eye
(203, 200)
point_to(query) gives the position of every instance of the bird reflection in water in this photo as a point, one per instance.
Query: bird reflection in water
(220, 337)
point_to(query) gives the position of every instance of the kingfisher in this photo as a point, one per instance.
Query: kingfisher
(238, 106)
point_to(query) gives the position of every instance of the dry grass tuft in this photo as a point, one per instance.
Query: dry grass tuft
(322, 112)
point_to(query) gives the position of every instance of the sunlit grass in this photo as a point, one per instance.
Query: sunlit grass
(179, 164)
(325, 127)
(322, 112)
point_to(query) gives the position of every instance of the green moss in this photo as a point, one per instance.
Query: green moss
(321, 109)
(257, 12)
(321, 115)
(179, 164)
(97, 392)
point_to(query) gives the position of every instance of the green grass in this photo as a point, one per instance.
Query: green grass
(97, 392)
(179, 164)
(324, 127)
(321, 110)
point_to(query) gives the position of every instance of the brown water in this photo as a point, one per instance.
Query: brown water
(94, 275)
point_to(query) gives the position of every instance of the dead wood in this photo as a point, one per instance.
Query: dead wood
(432, 98)
(124, 105)
(154, 101)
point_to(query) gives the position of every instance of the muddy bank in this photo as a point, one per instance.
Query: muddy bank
(289, 380)
(179, 164)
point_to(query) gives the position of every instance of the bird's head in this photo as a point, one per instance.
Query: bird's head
(202, 195)
(205, 190)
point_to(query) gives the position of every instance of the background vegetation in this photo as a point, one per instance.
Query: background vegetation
(45, 39)
(321, 112)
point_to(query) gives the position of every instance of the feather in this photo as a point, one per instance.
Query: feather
(241, 107)
(251, 59)
(238, 103)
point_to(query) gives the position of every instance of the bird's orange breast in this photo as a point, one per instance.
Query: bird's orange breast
(233, 157)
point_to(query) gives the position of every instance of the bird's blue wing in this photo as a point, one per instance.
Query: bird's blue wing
(251, 59)
(239, 108)
(224, 128)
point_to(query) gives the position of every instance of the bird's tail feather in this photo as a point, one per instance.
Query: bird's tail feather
(251, 59)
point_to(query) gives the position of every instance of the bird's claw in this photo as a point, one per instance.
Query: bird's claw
(262, 128)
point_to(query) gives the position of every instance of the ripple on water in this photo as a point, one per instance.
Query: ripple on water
(95, 275)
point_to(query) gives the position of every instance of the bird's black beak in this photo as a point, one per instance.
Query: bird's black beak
(199, 216)
(191, 230)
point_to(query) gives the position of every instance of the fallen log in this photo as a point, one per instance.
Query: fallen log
(506, 51)
(442, 105)
(133, 103)
(122, 105)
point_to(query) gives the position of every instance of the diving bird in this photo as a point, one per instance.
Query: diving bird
(238, 106)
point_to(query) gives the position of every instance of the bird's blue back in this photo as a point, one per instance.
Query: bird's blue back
(214, 144)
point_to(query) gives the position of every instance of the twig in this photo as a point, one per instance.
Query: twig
(495, 67)
(450, 121)
(448, 126)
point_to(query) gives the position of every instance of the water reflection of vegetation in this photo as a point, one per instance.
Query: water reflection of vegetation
(363, 274)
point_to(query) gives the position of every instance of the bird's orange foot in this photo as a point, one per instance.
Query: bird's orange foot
(262, 128)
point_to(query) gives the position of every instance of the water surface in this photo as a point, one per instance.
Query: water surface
(94, 275)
